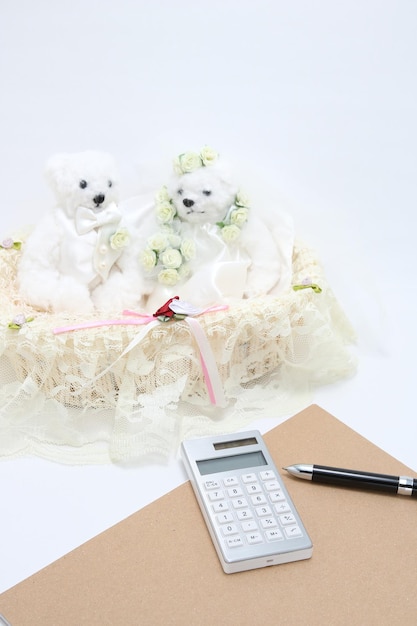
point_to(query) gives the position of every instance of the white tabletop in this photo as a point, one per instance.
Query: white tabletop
(320, 97)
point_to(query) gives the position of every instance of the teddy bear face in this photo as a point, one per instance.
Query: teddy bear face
(203, 195)
(89, 179)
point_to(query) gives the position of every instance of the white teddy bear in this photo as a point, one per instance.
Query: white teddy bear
(77, 257)
(207, 245)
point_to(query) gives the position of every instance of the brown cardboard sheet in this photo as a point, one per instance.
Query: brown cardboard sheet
(159, 567)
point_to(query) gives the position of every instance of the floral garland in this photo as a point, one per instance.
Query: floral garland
(189, 161)
(171, 254)
(167, 253)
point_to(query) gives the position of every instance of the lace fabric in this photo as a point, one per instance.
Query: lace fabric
(79, 397)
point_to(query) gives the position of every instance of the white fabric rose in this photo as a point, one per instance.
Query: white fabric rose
(120, 239)
(177, 166)
(171, 258)
(187, 162)
(148, 259)
(158, 242)
(188, 249)
(208, 155)
(230, 233)
(165, 212)
(239, 216)
(168, 277)
(162, 195)
(241, 199)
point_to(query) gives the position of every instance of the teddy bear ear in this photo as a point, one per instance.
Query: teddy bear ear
(56, 170)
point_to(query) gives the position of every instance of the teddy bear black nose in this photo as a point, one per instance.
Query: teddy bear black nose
(99, 198)
(188, 203)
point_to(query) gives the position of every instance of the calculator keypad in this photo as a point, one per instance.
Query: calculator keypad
(251, 509)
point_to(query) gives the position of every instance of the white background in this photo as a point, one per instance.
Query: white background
(318, 101)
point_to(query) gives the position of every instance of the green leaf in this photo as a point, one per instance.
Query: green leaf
(312, 286)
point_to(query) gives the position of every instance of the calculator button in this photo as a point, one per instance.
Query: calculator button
(258, 499)
(244, 514)
(230, 529)
(262, 511)
(212, 484)
(272, 485)
(239, 503)
(283, 507)
(254, 537)
(249, 478)
(268, 522)
(293, 531)
(215, 495)
(287, 519)
(249, 525)
(234, 542)
(234, 492)
(267, 475)
(218, 507)
(274, 535)
(255, 488)
(276, 496)
(224, 517)
(230, 481)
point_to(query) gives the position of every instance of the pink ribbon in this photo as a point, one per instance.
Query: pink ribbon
(208, 362)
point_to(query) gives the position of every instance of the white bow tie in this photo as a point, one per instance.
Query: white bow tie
(87, 219)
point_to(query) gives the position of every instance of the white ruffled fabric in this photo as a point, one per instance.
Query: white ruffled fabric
(270, 352)
(220, 270)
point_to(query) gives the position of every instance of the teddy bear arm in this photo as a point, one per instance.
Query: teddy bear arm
(53, 291)
(122, 289)
(41, 282)
(38, 267)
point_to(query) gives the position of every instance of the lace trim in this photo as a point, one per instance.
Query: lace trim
(269, 354)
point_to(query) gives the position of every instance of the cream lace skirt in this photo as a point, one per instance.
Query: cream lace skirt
(85, 397)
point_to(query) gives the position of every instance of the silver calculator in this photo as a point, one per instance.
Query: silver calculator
(250, 516)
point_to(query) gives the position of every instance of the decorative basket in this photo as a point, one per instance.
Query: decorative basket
(98, 394)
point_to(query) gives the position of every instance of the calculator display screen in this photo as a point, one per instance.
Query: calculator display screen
(222, 445)
(227, 463)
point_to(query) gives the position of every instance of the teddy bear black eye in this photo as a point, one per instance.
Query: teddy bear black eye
(83, 184)
(110, 184)
(206, 192)
(180, 192)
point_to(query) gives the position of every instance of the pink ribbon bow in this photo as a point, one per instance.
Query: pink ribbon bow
(180, 310)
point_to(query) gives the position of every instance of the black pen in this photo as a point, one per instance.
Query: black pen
(403, 485)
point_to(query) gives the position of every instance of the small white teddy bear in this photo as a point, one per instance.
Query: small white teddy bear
(76, 258)
(210, 246)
